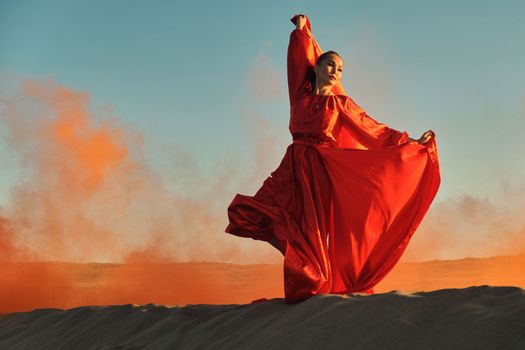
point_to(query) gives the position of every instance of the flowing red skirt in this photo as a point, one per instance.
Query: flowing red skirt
(342, 217)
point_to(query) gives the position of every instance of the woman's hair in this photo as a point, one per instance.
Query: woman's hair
(325, 55)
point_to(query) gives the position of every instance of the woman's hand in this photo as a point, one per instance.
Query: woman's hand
(300, 22)
(426, 137)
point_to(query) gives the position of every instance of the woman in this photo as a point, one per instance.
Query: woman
(349, 193)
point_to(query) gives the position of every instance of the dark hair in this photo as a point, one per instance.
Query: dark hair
(325, 55)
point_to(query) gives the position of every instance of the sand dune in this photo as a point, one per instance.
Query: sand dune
(480, 317)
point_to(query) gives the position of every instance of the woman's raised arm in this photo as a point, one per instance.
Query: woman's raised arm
(303, 52)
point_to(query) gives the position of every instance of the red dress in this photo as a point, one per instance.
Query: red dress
(348, 195)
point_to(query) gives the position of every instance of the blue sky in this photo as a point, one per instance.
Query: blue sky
(179, 73)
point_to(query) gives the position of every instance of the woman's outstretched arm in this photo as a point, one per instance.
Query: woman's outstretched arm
(367, 131)
(373, 134)
(303, 52)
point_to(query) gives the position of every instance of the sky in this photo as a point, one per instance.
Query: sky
(202, 84)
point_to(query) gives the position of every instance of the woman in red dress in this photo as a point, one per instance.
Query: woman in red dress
(349, 193)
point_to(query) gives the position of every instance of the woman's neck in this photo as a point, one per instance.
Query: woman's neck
(323, 90)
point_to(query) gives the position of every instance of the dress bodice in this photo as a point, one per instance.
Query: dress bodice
(315, 116)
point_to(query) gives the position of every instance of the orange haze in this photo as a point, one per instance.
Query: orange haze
(87, 194)
(26, 286)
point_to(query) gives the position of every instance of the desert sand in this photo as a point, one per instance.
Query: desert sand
(456, 304)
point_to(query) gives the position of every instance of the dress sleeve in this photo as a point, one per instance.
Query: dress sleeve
(368, 132)
(303, 52)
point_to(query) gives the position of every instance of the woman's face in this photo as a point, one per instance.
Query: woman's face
(329, 71)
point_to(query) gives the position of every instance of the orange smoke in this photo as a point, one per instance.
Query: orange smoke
(88, 195)
(95, 152)
(469, 226)
(7, 250)
(89, 153)
(26, 286)
(71, 162)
